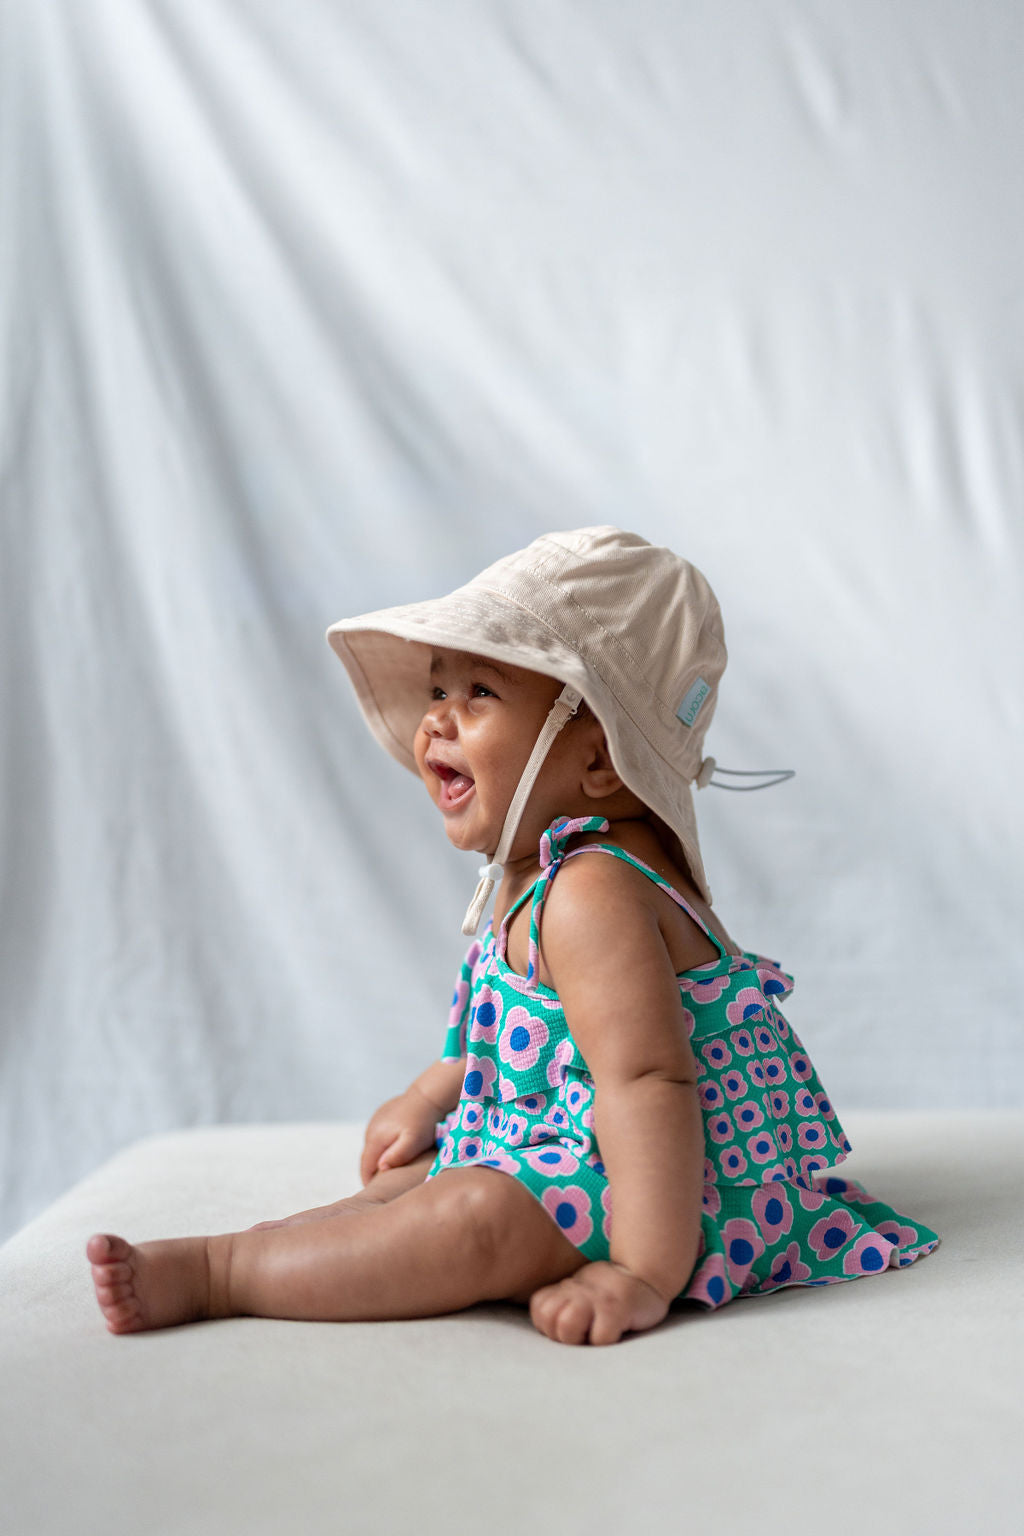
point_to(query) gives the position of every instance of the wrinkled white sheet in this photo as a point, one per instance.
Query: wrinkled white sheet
(307, 309)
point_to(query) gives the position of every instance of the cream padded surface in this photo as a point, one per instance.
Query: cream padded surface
(889, 1404)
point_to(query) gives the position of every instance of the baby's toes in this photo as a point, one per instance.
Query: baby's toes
(108, 1293)
(123, 1316)
(104, 1248)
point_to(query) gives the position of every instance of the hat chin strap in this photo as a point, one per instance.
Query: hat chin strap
(564, 707)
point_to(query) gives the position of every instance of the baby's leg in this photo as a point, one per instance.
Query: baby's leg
(381, 1188)
(469, 1235)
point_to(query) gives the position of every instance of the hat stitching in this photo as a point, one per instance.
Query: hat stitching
(614, 639)
(672, 767)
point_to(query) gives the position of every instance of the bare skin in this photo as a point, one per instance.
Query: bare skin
(408, 1246)
(389, 1260)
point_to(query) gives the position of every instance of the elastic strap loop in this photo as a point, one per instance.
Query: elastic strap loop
(772, 776)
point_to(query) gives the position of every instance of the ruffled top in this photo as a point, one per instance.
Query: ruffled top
(766, 1114)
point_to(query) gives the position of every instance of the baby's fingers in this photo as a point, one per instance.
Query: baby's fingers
(562, 1312)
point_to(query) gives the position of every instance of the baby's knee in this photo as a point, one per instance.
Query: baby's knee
(503, 1232)
(474, 1202)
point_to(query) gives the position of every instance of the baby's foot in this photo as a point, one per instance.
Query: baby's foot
(153, 1285)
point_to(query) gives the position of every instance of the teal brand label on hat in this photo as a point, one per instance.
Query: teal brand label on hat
(689, 709)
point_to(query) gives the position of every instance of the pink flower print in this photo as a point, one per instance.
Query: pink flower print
(486, 1016)
(446, 1153)
(576, 1096)
(710, 1172)
(515, 1130)
(533, 1103)
(710, 1096)
(570, 1208)
(787, 1269)
(716, 1053)
(492, 1155)
(720, 1128)
(551, 1159)
(775, 982)
(800, 1066)
(479, 1079)
(557, 1117)
(747, 1116)
(587, 1117)
(825, 1109)
(831, 1232)
(790, 1165)
(711, 1200)
(764, 1038)
(709, 1283)
(495, 1119)
(897, 1233)
(735, 1084)
(755, 1072)
(506, 1087)
(743, 1244)
(539, 1132)
(868, 1255)
(811, 1199)
(472, 1117)
(690, 1022)
(469, 1150)
(733, 1162)
(803, 1102)
(779, 1102)
(811, 1135)
(560, 1059)
(772, 1212)
(774, 1070)
(606, 1207)
(809, 1166)
(762, 1147)
(459, 997)
(784, 1137)
(743, 1041)
(708, 991)
(747, 1004)
(476, 949)
(775, 1172)
(521, 1038)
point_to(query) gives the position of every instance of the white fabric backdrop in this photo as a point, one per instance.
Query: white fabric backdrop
(308, 309)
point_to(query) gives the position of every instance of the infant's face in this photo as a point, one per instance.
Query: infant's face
(480, 725)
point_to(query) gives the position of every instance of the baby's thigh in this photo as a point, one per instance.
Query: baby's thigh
(521, 1246)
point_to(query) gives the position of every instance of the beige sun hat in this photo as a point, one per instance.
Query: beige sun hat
(633, 629)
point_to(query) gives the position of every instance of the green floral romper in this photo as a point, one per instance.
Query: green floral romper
(772, 1215)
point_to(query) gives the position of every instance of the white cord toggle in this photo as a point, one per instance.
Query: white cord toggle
(704, 773)
(491, 872)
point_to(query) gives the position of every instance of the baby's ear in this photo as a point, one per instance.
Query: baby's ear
(599, 776)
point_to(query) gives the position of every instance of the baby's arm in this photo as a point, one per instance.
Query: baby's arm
(404, 1127)
(611, 968)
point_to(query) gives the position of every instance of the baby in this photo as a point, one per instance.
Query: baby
(621, 1116)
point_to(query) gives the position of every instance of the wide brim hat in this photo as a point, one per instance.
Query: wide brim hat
(636, 629)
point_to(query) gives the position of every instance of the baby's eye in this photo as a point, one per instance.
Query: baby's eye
(479, 689)
(437, 693)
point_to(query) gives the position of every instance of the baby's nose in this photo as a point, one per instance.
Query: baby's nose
(439, 720)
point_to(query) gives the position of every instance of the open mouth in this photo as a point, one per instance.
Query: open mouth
(456, 787)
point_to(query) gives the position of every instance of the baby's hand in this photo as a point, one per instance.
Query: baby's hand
(596, 1305)
(399, 1131)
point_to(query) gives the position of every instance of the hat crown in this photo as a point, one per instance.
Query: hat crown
(644, 618)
